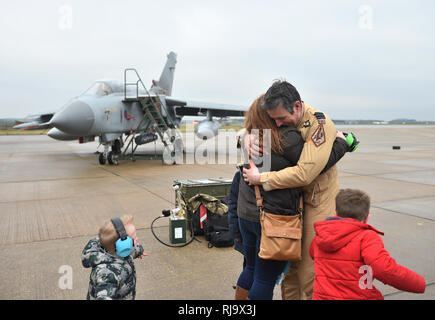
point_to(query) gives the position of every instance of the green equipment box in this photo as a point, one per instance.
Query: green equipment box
(218, 188)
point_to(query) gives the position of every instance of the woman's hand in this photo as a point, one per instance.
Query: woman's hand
(251, 175)
(340, 135)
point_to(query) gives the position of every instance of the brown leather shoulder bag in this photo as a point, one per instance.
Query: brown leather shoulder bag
(281, 235)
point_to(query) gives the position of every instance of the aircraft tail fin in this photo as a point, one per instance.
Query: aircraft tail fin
(167, 76)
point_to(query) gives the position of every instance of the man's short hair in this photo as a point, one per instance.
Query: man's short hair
(352, 203)
(281, 92)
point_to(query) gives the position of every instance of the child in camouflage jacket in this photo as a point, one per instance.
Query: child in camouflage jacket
(112, 277)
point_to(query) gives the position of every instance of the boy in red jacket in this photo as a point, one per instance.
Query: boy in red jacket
(349, 254)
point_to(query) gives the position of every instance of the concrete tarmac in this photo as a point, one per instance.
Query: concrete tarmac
(54, 196)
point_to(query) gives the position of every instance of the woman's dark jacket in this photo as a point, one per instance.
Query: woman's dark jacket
(233, 219)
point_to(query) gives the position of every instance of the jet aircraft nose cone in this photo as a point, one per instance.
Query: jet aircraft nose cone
(77, 119)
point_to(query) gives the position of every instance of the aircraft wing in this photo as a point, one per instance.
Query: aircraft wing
(36, 121)
(187, 107)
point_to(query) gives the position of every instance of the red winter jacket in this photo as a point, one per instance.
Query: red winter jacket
(345, 252)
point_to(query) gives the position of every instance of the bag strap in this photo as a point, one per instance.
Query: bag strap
(301, 204)
(258, 197)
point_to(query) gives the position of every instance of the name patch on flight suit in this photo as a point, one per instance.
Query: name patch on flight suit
(318, 136)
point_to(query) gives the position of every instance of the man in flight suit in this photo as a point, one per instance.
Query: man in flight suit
(283, 104)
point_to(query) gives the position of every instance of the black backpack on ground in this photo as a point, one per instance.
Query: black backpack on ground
(215, 228)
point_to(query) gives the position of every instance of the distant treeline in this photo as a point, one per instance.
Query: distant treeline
(395, 121)
(240, 120)
(7, 123)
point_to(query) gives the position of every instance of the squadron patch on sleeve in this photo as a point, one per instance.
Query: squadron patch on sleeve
(318, 136)
(320, 117)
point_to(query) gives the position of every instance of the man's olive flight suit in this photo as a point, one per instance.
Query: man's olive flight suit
(319, 133)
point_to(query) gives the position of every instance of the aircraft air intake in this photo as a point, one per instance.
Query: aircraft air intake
(55, 133)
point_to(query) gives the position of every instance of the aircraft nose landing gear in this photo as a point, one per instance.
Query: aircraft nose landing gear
(108, 156)
(112, 158)
(102, 159)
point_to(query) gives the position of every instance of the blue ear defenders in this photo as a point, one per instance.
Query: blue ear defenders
(124, 244)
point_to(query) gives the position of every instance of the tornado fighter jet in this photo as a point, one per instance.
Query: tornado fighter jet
(110, 110)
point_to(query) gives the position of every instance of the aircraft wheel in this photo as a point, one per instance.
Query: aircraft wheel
(111, 158)
(102, 159)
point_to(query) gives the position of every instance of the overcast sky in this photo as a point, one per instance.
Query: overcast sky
(351, 59)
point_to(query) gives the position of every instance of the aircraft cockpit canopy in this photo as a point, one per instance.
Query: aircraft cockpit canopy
(104, 88)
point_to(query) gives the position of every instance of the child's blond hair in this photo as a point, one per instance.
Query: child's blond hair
(108, 235)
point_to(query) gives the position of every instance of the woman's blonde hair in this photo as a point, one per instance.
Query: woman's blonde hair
(258, 118)
(108, 235)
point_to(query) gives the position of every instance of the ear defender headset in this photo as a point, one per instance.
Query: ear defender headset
(352, 141)
(124, 244)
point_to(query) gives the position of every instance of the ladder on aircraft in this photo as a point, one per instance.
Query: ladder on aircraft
(155, 113)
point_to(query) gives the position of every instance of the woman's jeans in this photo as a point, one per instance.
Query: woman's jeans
(259, 275)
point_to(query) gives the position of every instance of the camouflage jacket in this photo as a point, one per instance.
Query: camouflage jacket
(211, 203)
(111, 277)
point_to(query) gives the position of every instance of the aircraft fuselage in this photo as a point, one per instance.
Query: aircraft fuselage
(95, 116)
